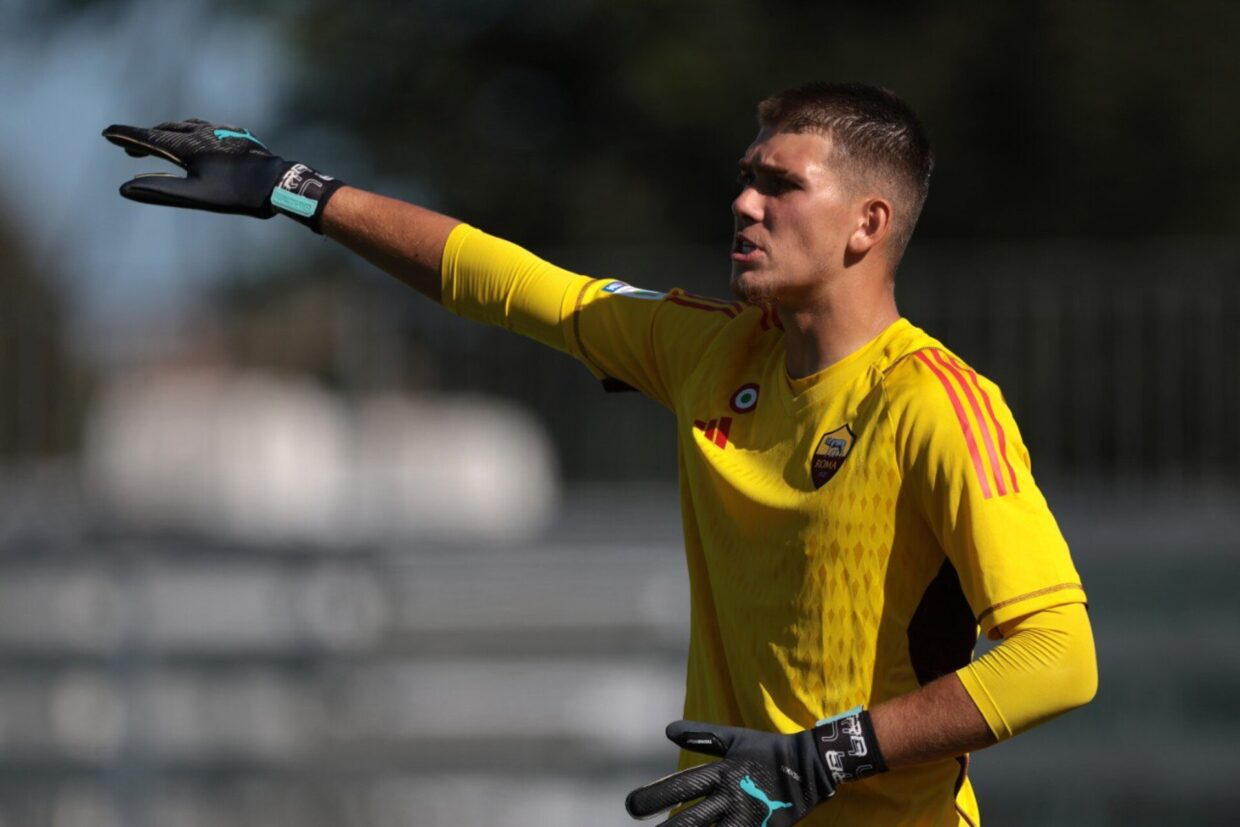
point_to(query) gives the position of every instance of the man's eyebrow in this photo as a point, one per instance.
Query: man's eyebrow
(768, 168)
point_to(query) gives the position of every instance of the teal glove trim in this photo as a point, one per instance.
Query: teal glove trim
(292, 202)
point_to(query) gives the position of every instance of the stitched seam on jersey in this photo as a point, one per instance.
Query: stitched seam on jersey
(995, 471)
(891, 423)
(709, 300)
(728, 311)
(960, 779)
(738, 307)
(656, 358)
(887, 408)
(883, 374)
(708, 343)
(965, 816)
(1003, 604)
(963, 419)
(998, 427)
(581, 345)
(887, 370)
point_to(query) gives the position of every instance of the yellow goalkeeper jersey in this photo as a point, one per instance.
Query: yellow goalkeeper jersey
(846, 533)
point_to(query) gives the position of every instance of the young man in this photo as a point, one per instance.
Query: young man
(857, 501)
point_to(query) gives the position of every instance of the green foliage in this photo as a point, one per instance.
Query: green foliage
(613, 121)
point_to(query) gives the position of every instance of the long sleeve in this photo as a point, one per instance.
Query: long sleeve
(646, 339)
(1044, 667)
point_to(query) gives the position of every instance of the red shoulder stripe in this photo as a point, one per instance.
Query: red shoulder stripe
(770, 317)
(995, 420)
(981, 421)
(963, 419)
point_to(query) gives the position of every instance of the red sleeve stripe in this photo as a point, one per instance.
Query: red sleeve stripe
(770, 317)
(998, 427)
(977, 417)
(683, 302)
(963, 419)
(737, 306)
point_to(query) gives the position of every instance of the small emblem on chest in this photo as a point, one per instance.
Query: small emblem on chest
(716, 430)
(830, 454)
(745, 399)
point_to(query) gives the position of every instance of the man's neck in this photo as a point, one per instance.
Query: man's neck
(836, 324)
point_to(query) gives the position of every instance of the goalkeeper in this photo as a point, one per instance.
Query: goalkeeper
(857, 501)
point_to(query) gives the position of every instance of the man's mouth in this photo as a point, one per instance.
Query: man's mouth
(744, 250)
(742, 244)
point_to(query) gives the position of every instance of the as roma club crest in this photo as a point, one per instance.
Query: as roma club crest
(830, 454)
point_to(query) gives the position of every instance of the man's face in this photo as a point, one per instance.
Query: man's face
(793, 218)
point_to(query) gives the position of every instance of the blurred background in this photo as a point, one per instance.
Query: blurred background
(281, 543)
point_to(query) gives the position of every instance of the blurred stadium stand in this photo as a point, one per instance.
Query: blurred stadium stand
(328, 659)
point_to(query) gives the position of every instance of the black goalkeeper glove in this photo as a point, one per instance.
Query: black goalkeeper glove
(764, 779)
(228, 171)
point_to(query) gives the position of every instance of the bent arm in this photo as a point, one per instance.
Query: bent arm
(1044, 667)
(403, 240)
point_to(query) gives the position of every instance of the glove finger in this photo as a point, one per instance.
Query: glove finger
(708, 811)
(708, 739)
(160, 188)
(187, 125)
(139, 142)
(671, 790)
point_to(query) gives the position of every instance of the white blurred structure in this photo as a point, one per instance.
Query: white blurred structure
(264, 458)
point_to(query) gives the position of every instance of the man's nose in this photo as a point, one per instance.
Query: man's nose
(747, 206)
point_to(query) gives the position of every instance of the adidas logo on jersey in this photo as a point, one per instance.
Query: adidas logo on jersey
(716, 430)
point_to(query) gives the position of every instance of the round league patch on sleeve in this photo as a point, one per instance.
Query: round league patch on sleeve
(619, 288)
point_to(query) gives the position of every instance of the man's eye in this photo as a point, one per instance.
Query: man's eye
(744, 179)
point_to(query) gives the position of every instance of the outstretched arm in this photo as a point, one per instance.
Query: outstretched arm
(229, 170)
(401, 239)
(477, 276)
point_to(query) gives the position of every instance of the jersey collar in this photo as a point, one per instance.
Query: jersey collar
(808, 391)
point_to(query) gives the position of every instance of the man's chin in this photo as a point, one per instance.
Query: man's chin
(747, 288)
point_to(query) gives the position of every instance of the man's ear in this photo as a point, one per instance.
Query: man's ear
(873, 225)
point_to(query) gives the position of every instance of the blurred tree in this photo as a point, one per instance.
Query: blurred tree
(42, 388)
(609, 121)
(614, 121)
(604, 134)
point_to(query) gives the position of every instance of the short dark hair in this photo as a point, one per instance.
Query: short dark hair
(872, 132)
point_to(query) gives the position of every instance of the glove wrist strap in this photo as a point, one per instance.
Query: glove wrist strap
(848, 747)
(302, 193)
